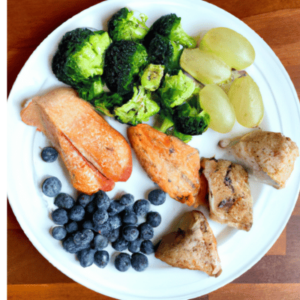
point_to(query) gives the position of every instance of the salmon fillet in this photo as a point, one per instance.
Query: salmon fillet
(193, 246)
(169, 162)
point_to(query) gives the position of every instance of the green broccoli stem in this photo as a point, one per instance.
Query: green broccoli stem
(184, 39)
(166, 124)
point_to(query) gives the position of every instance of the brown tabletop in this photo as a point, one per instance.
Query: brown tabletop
(276, 276)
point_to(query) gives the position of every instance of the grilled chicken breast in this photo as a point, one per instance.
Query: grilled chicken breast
(230, 200)
(193, 246)
(94, 153)
(268, 156)
(169, 162)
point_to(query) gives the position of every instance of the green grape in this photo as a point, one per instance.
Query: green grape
(233, 48)
(205, 67)
(247, 101)
(215, 101)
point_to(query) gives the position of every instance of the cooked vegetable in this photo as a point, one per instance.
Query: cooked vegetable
(123, 25)
(138, 109)
(184, 137)
(162, 51)
(205, 67)
(107, 102)
(79, 60)
(233, 48)
(152, 77)
(124, 60)
(170, 27)
(176, 89)
(247, 101)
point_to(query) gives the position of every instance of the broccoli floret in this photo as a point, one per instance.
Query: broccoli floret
(79, 60)
(184, 137)
(123, 25)
(170, 27)
(107, 102)
(189, 120)
(138, 109)
(176, 89)
(152, 76)
(123, 62)
(90, 91)
(165, 52)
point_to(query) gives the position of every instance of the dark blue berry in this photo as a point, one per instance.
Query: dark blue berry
(157, 197)
(128, 209)
(100, 242)
(84, 200)
(86, 257)
(115, 208)
(88, 224)
(103, 229)
(113, 235)
(147, 247)
(130, 233)
(115, 221)
(77, 213)
(63, 200)
(51, 187)
(91, 207)
(130, 218)
(59, 233)
(120, 244)
(100, 216)
(127, 199)
(139, 262)
(153, 218)
(60, 216)
(122, 262)
(146, 231)
(141, 207)
(49, 154)
(71, 247)
(71, 227)
(135, 246)
(83, 237)
(101, 259)
(102, 200)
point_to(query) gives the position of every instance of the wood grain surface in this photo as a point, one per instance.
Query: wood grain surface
(276, 276)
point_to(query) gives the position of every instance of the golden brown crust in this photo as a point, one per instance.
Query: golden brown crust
(169, 162)
(193, 246)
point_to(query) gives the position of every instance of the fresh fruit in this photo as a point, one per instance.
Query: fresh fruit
(51, 187)
(120, 244)
(49, 154)
(91, 207)
(205, 67)
(83, 237)
(147, 247)
(233, 48)
(101, 259)
(71, 227)
(86, 257)
(216, 103)
(141, 207)
(100, 242)
(127, 199)
(130, 233)
(63, 200)
(247, 101)
(60, 216)
(123, 262)
(84, 200)
(113, 235)
(135, 245)
(102, 200)
(146, 231)
(157, 197)
(115, 221)
(71, 247)
(130, 218)
(100, 216)
(153, 218)
(104, 229)
(115, 208)
(88, 224)
(59, 233)
(76, 213)
(139, 262)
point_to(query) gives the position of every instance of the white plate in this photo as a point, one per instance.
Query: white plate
(238, 250)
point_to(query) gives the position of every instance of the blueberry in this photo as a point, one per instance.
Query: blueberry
(51, 186)
(122, 262)
(115, 221)
(86, 257)
(77, 213)
(135, 246)
(128, 209)
(113, 235)
(63, 200)
(100, 216)
(102, 200)
(146, 231)
(101, 259)
(100, 242)
(127, 199)
(157, 197)
(147, 247)
(60, 216)
(120, 244)
(130, 233)
(141, 207)
(84, 200)
(91, 207)
(88, 224)
(115, 208)
(71, 227)
(153, 218)
(49, 154)
(139, 262)
(103, 229)
(130, 218)
(83, 237)
(59, 233)
(71, 247)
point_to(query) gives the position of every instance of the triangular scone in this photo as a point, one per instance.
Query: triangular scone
(230, 200)
(193, 246)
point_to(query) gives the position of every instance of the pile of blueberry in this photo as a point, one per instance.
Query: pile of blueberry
(90, 223)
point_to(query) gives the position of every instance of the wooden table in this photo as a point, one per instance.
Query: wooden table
(276, 276)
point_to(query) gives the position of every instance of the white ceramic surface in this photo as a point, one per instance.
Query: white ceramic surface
(238, 250)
